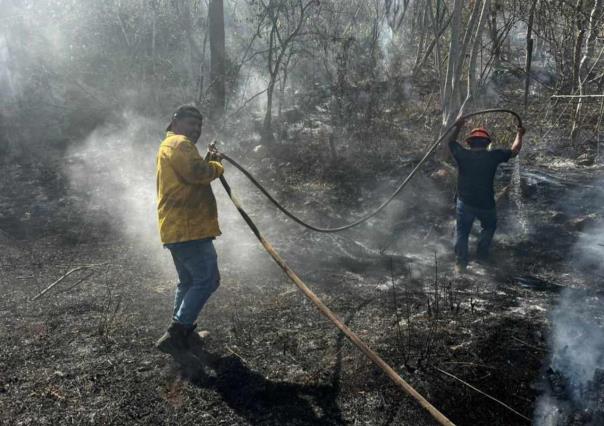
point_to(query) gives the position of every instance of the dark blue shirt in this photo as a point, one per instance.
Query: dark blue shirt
(476, 172)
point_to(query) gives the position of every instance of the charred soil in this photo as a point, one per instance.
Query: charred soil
(83, 353)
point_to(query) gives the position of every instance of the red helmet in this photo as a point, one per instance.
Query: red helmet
(478, 133)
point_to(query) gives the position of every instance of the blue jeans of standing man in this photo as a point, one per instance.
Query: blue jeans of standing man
(465, 218)
(197, 268)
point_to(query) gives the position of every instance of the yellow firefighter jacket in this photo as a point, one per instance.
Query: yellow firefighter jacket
(186, 205)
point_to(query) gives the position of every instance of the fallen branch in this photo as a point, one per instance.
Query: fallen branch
(527, 344)
(68, 273)
(237, 355)
(483, 393)
(78, 282)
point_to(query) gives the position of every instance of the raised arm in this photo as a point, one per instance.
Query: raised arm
(452, 140)
(517, 145)
(455, 133)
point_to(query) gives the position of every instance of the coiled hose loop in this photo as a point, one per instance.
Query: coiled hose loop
(404, 183)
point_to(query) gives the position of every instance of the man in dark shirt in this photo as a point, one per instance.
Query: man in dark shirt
(475, 195)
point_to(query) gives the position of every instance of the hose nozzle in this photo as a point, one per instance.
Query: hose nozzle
(213, 153)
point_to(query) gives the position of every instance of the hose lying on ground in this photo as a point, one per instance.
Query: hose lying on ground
(404, 183)
(373, 356)
(352, 336)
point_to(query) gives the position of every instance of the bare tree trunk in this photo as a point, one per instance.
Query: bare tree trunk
(467, 38)
(494, 38)
(202, 69)
(454, 57)
(437, 52)
(395, 13)
(591, 34)
(283, 82)
(273, 72)
(217, 57)
(476, 47)
(268, 118)
(452, 102)
(578, 42)
(529, 53)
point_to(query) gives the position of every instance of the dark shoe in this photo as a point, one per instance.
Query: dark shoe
(174, 342)
(174, 339)
(195, 339)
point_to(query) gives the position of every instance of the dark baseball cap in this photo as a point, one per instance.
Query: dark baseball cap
(184, 111)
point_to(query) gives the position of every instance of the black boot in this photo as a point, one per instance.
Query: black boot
(174, 341)
(195, 339)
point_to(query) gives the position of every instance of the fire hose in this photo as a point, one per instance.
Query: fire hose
(352, 336)
(368, 216)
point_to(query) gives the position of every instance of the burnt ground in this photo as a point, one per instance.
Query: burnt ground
(83, 353)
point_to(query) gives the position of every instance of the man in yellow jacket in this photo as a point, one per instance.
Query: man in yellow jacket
(188, 224)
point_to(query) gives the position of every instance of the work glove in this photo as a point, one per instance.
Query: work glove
(218, 168)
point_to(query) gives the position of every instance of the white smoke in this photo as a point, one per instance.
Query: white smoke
(578, 340)
(589, 250)
(576, 364)
(114, 170)
(577, 360)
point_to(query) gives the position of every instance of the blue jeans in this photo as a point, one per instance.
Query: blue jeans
(197, 268)
(465, 218)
